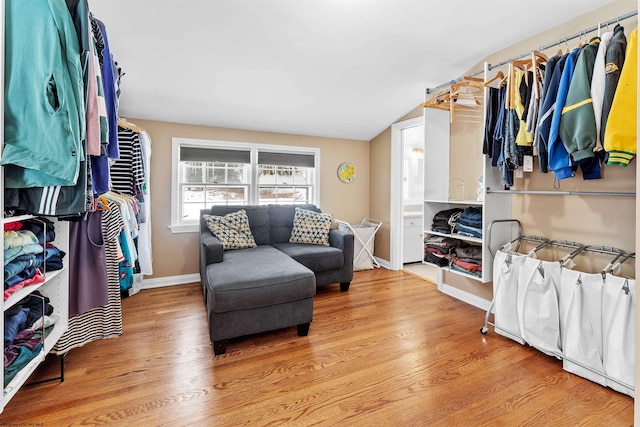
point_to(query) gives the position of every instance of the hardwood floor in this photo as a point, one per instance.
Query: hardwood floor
(393, 351)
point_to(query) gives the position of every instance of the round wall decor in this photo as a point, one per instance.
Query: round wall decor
(347, 172)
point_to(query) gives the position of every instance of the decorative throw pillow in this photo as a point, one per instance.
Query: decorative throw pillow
(311, 227)
(232, 229)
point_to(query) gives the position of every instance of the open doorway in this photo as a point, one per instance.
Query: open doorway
(407, 192)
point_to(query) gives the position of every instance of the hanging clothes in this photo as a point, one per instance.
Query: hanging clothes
(88, 286)
(127, 173)
(104, 321)
(548, 110)
(48, 154)
(577, 127)
(620, 138)
(145, 254)
(559, 161)
(108, 77)
(614, 62)
(491, 118)
(598, 85)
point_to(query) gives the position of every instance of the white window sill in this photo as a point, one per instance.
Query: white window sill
(184, 228)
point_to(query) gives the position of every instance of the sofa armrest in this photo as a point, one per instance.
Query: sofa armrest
(212, 250)
(343, 240)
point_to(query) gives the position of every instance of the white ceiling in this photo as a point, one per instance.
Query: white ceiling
(334, 68)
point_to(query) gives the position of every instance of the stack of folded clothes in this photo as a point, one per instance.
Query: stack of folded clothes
(470, 222)
(445, 221)
(440, 250)
(468, 259)
(25, 325)
(27, 255)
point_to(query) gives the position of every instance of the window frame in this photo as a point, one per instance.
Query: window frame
(178, 226)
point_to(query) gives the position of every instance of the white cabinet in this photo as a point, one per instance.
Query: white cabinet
(56, 288)
(412, 246)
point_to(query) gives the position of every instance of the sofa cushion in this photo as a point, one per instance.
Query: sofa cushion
(281, 217)
(257, 277)
(316, 257)
(231, 229)
(258, 220)
(311, 227)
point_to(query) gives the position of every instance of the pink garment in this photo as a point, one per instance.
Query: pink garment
(38, 278)
(92, 114)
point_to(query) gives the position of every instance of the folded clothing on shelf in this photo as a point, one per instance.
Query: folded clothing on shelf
(444, 221)
(470, 222)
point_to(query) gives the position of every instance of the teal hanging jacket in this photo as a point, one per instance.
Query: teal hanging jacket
(44, 111)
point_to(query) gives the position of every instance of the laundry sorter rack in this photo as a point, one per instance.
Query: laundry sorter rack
(364, 234)
(587, 320)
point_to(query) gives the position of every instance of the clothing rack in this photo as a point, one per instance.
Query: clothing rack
(564, 193)
(542, 48)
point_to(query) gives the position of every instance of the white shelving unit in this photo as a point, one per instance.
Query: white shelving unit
(56, 288)
(453, 165)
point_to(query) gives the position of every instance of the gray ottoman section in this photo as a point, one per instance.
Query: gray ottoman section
(257, 290)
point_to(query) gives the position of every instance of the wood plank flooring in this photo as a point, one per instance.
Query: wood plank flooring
(393, 351)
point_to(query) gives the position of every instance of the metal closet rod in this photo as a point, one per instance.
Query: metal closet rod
(545, 47)
(563, 193)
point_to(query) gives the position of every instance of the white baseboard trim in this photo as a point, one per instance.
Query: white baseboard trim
(161, 282)
(463, 296)
(383, 263)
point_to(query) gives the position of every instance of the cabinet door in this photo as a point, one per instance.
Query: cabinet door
(412, 246)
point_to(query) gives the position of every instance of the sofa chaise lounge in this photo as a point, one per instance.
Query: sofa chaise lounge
(269, 286)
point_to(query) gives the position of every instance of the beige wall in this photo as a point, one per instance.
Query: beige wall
(177, 254)
(380, 198)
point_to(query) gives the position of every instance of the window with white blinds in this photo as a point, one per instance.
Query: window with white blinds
(207, 173)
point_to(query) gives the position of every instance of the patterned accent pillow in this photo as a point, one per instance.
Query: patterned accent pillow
(311, 227)
(232, 229)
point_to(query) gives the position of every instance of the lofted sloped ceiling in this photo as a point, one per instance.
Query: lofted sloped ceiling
(332, 68)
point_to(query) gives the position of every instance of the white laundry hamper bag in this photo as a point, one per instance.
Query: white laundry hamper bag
(618, 316)
(538, 305)
(581, 324)
(506, 269)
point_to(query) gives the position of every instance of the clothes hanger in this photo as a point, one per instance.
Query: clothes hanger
(499, 75)
(537, 58)
(522, 64)
(125, 124)
(510, 82)
(102, 203)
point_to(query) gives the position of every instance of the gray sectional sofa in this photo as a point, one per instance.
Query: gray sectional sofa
(270, 286)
